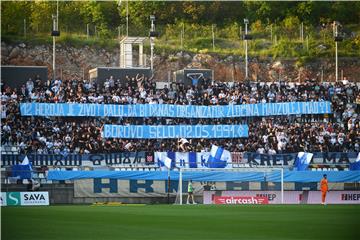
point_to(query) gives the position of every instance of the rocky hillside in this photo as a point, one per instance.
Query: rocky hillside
(76, 62)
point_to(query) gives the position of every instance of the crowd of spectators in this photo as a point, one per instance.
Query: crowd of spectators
(339, 131)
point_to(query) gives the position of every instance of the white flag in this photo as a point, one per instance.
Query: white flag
(25, 161)
(167, 162)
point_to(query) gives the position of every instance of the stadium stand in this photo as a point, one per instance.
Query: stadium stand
(337, 132)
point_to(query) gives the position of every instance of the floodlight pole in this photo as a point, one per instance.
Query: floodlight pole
(54, 29)
(152, 43)
(246, 21)
(336, 54)
(57, 15)
(127, 18)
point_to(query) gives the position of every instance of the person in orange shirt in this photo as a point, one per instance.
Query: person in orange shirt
(324, 189)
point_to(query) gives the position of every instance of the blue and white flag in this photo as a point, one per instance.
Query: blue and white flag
(163, 160)
(202, 158)
(219, 158)
(25, 161)
(185, 159)
(302, 161)
(22, 170)
(355, 165)
(181, 159)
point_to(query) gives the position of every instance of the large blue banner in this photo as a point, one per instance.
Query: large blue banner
(173, 111)
(181, 159)
(289, 159)
(175, 131)
(198, 176)
(91, 160)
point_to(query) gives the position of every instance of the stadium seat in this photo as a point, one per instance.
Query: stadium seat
(12, 179)
(15, 149)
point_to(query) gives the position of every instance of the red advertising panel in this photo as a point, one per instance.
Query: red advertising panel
(240, 200)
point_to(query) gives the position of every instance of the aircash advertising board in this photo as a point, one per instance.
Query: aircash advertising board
(274, 197)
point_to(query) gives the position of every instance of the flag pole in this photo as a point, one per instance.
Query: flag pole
(168, 187)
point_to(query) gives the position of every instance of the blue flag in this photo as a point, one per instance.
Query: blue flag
(355, 165)
(219, 157)
(23, 170)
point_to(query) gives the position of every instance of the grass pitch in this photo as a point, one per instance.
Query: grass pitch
(182, 222)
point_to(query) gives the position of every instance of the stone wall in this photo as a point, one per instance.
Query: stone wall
(76, 62)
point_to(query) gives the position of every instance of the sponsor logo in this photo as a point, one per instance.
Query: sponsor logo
(34, 198)
(350, 197)
(13, 198)
(240, 200)
(269, 196)
(24, 198)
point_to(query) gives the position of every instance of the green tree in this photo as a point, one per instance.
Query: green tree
(13, 15)
(291, 25)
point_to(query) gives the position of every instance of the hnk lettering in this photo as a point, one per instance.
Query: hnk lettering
(134, 186)
(182, 162)
(112, 185)
(203, 161)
